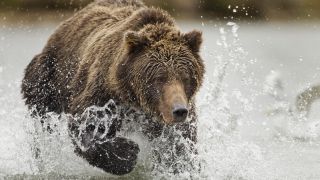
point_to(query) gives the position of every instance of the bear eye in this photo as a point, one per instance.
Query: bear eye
(161, 79)
(186, 82)
(185, 78)
(189, 85)
(152, 94)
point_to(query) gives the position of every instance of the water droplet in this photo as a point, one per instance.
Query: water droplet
(222, 31)
(234, 10)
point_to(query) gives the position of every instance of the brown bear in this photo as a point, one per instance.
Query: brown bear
(123, 51)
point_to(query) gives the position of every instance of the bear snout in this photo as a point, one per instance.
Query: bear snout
(179, 113)
(174, 104)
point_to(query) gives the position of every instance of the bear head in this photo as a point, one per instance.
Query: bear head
(162, 70)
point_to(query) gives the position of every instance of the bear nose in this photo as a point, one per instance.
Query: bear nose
(180, 113)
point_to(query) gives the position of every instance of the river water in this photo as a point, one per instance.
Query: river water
(248, 125)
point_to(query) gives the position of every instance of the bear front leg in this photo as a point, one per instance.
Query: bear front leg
(185, 148)
(94, 137)
(175, 151)
(117, 156)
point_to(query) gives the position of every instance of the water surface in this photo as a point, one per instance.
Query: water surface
(238, 138)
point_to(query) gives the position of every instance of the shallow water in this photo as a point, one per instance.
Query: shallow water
(238, 138)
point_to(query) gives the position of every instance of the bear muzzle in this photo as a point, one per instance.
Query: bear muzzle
(174, 104)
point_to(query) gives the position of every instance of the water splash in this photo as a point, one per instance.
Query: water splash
(223, 153)
(290, 121)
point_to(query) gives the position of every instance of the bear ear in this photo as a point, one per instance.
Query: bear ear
(194, 40)
(135, 41)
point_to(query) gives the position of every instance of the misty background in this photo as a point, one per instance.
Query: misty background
(265, 10)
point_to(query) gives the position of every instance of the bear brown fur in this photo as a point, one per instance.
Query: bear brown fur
(119, 50)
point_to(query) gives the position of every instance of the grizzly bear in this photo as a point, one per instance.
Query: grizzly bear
(123, 51)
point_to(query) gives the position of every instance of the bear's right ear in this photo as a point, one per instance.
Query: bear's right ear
(135, 41)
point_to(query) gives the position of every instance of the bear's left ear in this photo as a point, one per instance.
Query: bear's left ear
(194, 40)
(135, 41)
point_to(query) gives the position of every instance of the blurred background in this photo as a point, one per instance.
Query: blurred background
(213, 9)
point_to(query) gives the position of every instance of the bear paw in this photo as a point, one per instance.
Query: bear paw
(117, 156)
